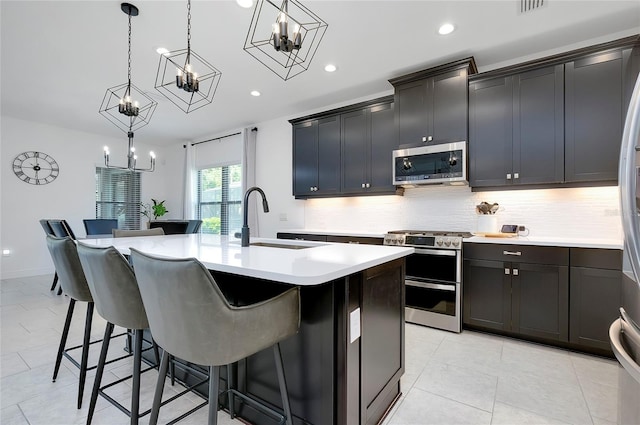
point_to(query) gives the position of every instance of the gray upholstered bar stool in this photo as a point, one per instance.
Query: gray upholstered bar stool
(117, 298)
(191, 319)
(74, 284)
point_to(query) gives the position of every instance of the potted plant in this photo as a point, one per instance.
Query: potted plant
(157, 209)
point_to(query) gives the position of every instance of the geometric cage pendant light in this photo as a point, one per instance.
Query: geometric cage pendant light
(284, 37)
(128, 107)
(185, 78)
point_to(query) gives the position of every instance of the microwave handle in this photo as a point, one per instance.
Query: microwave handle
(427, 285)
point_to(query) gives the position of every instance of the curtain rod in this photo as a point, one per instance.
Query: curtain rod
(221, 137)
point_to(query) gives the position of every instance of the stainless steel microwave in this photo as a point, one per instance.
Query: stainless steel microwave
(436, 164)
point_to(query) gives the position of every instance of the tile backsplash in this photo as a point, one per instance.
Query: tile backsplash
(571, 212)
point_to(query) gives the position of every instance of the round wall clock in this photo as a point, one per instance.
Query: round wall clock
(35, 167)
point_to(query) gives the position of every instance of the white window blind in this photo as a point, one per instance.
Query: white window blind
(118, 196)
(219, 199)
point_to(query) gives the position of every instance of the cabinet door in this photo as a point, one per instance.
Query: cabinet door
(487, 295)
(383, 141)
(538, 126)
(541, 301)
(594, 117)
(596, 296)
(411, 113)
(328, 156)
(490, 132)
(355, 147)
(450, 107)
(305, 158)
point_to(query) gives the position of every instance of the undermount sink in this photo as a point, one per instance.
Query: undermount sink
(280, 245)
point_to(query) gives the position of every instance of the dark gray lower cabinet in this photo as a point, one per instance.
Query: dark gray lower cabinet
(596, 295)
(528, 297)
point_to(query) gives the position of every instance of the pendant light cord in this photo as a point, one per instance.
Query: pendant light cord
(131, 119)
(188, 31)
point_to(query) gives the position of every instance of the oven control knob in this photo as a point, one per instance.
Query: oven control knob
(456, 242)
(439, 241)
(447, 242)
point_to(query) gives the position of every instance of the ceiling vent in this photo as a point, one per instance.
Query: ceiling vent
(531, 5)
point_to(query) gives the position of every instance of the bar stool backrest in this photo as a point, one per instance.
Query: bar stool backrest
(45, 226)
(99, 226)
(65, 259)
(190, 317)
(61, 228)
(113, 286)
(122, 233)
(194, 226)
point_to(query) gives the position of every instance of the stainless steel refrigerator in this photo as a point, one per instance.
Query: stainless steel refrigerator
(624, 333)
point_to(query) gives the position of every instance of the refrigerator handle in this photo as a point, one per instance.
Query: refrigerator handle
(626, 360)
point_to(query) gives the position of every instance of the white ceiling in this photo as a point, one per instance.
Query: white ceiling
(59, 57)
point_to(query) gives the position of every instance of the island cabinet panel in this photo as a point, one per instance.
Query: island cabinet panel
(517, 129)
(432, 105)
(517, 290)
(344, 365)
(595, 113)
(596, 295)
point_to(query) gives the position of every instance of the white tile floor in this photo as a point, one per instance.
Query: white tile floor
(467, 378)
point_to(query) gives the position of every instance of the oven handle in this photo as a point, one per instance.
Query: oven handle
(430, 285)
(441, 252)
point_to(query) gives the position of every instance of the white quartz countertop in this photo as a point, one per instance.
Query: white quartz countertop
(551, 241)
(319, 263)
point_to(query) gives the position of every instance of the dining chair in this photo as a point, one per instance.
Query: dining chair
(49, 231)
(61, 228)
(122, 233)
(74, 283)
(194, 226)
(191, 319)
(100, 226)
(171, 227)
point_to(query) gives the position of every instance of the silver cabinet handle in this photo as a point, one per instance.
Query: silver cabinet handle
(625, 358)
(507, 271)
(509, 176)
(368, 185)
(516, 175)
(518, 253)
(363, 185)
(427, 138)
(515, 272)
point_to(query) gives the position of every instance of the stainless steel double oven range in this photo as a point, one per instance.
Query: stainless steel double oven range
(433, 277)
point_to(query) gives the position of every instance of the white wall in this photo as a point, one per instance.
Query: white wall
(71, 196)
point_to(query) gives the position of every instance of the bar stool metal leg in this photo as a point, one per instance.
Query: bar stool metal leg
(100, 369)
(85, 352)
(55, 281)
(137, 366)
(283, 384)
(63, 340)
(214, 382)
(157, 398)
(232, 412)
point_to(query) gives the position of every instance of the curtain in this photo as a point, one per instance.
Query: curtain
(249, 136)
(190, 180)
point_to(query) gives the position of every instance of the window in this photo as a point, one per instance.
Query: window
(118, 196)
(219, 201)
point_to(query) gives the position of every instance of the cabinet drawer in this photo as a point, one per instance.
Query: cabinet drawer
(597, 258)
(517, 253)
(355, 239)
(302, 236)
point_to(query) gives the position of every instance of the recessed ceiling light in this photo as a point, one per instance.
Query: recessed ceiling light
(162, 51)
(255, 93)
(446, 29)
(330, 68)
(245, 3)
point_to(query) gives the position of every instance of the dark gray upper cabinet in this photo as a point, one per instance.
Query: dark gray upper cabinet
(516, 129)
(595, 115)
(316, 157)
(432, 105)
(368, 138)
(562, 125)
(346, 151)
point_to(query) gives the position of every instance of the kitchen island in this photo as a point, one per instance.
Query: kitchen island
(345, 363)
